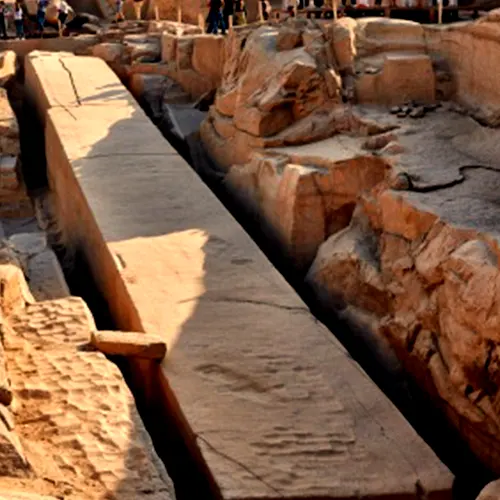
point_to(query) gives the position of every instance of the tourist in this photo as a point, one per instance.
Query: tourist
(40, 15)
(3, 20)
(215, 17)
(63, 16)
(119, 11)
(266, 9)
(227, 11)
(240, 17)
(19, 21)
(138, 8)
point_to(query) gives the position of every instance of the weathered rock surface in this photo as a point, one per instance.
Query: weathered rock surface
(76, 406)
(196, 60)
(303, 200)
(467, 49)
(140, 345)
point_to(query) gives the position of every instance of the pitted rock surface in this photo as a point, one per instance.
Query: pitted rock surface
(76, 406)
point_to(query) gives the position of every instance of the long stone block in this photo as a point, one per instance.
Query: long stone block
(65, 80)
(274, 404)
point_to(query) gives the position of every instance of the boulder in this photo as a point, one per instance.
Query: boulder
(303, 203)
(133, 344)
(344, 49)
(260, 123)
(375, 35)
(208, 57)
(14, 292)
(346, 271)
(407, 77)
(110, 52)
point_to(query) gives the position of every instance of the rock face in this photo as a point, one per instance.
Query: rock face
(420, 278)
(196, 60)
(303, 202)
(468, 49)
(281, 85)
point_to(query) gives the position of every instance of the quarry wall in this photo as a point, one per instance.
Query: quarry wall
(468, 50)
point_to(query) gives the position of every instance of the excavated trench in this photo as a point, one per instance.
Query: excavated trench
(410, 399)
(187, 469)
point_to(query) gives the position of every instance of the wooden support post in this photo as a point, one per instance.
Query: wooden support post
(157, 12)
(179, 13)
(261, 14)
(440, 11)
(230, 27)
(201, 22)
(334, 6)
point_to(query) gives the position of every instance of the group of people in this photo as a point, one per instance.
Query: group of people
(19, 14)
(220, 11)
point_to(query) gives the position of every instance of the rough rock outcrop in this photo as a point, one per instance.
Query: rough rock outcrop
(467, 50)
(195, 60)
(281, 86)
(432, 289)
(304, 200)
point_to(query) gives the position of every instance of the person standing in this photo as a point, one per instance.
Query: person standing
(63, 16)
(240, 17)
(40, 15)
(215, 17)
(227, 11)
(138, 9)
(119, 11)
(3, 20)
(19, 21)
